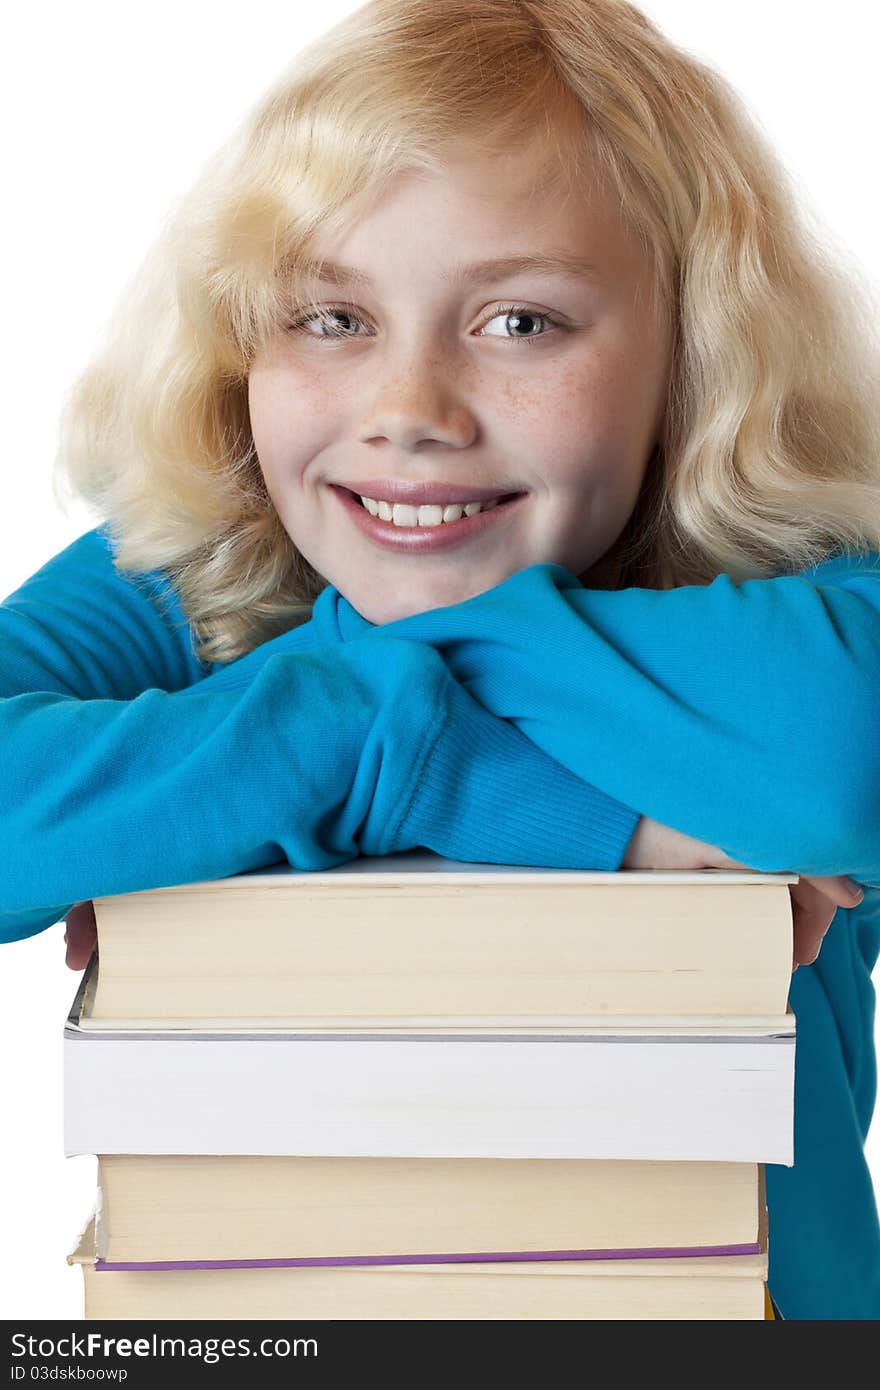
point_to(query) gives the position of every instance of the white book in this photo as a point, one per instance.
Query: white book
(599, 1093)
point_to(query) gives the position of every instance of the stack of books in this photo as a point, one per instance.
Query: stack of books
(416, 1088)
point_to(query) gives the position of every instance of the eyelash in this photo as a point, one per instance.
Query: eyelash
(503, 309)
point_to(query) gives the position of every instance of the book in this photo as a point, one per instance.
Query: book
(177, 1209)
(706, 1287)
(417, 1088)
(723, 1095)
(416, 941)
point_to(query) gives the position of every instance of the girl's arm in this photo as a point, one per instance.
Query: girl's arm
(110, 783)
(746, 715)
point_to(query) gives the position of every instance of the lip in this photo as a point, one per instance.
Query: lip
(416, 539)
(416, 494)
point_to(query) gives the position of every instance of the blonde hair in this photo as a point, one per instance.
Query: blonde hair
(769, 459)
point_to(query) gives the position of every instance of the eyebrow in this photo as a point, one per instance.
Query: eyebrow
(498, 269)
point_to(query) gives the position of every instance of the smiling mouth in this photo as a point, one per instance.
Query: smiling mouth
(436, 534)
(407, 513)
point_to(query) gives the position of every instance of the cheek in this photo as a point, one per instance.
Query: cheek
(584, 423)
(592, 387)
(267, 413)
(286, 426)
(610, 404)
(551, 419)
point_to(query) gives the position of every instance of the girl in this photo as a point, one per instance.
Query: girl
(487, 460)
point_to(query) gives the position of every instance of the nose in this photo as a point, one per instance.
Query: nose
(417, 403)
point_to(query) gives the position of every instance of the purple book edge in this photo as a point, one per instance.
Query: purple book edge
(482, 1256)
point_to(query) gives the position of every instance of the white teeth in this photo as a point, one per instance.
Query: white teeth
(401, 514)
(404, 515)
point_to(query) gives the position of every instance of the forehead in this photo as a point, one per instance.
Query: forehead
(525, 210)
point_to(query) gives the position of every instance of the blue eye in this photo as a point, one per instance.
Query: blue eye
(520, 311)
(325, 317)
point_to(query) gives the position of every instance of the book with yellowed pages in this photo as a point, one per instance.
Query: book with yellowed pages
(704, 1287)
(414, 940)
(175, 1209)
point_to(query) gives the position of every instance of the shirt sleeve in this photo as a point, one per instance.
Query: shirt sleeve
(125, 769)
(743, 714)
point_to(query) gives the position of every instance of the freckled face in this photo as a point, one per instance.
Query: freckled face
(416, 377)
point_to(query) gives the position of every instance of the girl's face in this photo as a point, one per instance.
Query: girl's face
(422, 372)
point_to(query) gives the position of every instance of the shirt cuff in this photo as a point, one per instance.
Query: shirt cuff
(484, 793)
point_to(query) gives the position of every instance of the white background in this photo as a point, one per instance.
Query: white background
(108, 113)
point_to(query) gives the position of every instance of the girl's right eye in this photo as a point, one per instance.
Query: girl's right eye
(325, 316)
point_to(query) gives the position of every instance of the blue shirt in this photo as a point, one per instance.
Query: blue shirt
(531, 724)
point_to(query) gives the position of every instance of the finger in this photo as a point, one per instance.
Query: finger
(81, 935)
(812, 915)
(807, 944)
(808, 940)
(839, 888)
(78, 954)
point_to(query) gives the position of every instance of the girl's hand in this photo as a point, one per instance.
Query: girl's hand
(81, 935)
(814, 900)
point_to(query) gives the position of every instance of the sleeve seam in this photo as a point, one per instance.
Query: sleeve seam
(416, 782)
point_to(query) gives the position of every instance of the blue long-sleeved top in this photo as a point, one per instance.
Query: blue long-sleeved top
(532, 724)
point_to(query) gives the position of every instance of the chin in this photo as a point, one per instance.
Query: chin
(391, 607)
(423, 593)
(377, 610)
(381, 613)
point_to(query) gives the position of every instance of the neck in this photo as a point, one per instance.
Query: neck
(604, 574)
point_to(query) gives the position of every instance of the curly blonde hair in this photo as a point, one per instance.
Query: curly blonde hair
(769, 459)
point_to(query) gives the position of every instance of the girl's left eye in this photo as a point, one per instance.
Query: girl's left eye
(522, 311)
(506, 311)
